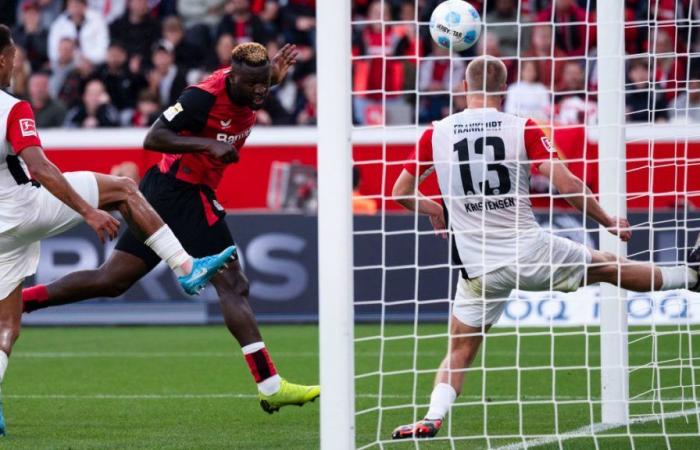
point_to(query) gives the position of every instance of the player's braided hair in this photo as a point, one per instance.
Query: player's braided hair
(250, 54)
(5, 36)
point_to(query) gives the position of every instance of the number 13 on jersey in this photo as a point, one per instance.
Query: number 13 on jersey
(491, 151)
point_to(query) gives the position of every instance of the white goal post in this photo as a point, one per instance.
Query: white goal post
(612, 190)
(335, 275)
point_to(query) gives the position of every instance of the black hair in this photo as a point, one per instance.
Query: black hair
(5, 37)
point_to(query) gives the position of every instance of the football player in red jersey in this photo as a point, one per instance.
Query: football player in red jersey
(52, 202)
(199, 136)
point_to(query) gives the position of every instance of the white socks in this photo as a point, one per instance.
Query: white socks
(3, 365)
(164, 243)
(677, 277)
(270, 386)
(440, 401)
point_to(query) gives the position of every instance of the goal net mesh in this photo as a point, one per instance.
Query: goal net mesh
(537, 377)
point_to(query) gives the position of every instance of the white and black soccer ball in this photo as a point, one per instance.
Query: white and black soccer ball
(455, 24)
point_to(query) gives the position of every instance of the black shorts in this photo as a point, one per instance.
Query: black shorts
(190, 210)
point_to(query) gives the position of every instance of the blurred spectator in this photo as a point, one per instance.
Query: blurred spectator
(110, 10)
(572, 104)
(147, 110)
(686, 106)
(267, 10)
(574, 39)
(361, 204)
(503, 22)
(122, 86)
(62, 65)
(48, 11)
(573, 79)
(436, 81)
(549, 60)
(669, 67)
(306, 111)
(47, 111)
(242, 24)
(95, 111)
(71, 91)
(642, 103)
(299, 22)
(200, 12)
(136, 29)
(528, 97)
(86, 27)
(31, 36)
(187, 55)
(165, 79)
(222, 56)
(376, 74)
(20, 74)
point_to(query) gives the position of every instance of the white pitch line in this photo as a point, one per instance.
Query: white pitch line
(228, 395)
(596, 428)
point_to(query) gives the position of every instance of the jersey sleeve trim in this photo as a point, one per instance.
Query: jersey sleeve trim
(21, 130)
(421, 158)
(537, 144)
(190, 112)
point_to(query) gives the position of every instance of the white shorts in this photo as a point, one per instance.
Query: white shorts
(558, 264)
(45, 216)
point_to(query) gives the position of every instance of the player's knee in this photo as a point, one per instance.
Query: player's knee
(232, 283)
(128, 186)
(608, 257)
(9, 335)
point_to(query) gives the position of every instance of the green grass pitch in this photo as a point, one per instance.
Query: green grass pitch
(189, 388)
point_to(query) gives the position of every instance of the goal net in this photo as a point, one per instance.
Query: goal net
(594, 368)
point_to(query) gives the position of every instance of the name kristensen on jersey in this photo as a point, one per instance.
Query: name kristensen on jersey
(490, 205)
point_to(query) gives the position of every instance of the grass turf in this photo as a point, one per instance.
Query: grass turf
(189, 388)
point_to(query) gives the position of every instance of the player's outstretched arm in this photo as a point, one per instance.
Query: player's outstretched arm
(161, 138)
(407, 194)
(575, 191)
(46, 173)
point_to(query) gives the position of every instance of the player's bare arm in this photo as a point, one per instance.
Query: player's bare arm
(575, 191)
(406, 193)
(163, 139)
(285, 58)
(46, 173)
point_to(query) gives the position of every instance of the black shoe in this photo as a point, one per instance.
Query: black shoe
(422, 429)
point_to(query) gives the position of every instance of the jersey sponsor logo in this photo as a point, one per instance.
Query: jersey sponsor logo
(548, 144)
(225, 123)
(232, 138)
(27, 127)
(173, 111)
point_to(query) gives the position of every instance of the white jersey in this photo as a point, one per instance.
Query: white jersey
(482, 158)
(17, 132)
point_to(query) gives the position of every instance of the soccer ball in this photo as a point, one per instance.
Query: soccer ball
(455, 24)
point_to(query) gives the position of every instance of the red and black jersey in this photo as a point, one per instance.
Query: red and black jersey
(206, 110)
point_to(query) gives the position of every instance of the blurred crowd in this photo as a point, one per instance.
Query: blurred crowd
(401, 76)
(106, 63)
